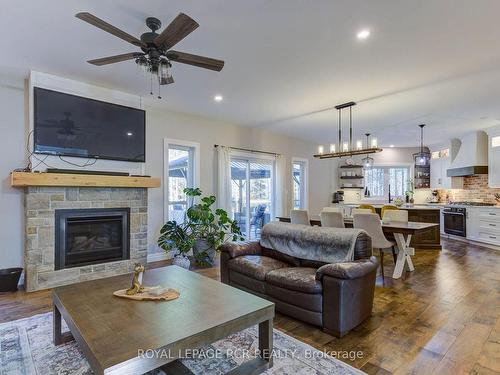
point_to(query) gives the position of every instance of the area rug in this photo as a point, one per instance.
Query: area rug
(26, 348)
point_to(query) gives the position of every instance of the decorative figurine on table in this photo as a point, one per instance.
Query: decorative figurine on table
(136, 281)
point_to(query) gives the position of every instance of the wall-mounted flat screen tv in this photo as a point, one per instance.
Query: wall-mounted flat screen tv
(70, 125)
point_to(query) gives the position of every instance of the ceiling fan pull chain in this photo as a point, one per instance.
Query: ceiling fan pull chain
(151, 92)
(159, 87)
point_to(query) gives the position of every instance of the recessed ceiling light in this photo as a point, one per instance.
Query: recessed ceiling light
(363, 34)
(130, 134)
(391, 146)
(218, 98)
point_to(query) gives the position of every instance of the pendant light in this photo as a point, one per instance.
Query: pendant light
(423, 157)
(344, 148)
(367, 160)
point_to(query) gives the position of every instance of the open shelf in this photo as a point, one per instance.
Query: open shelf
(351, 166)
(351, 187)
(351, 177)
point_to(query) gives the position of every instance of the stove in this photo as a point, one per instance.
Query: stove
(481, 204)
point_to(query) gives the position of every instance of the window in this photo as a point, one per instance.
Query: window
(380, 179)
(252, 181)
(299, 183)
(181, 171)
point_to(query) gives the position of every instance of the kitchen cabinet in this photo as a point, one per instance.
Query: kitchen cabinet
(494, 160)
(440, 163)
(472, 223)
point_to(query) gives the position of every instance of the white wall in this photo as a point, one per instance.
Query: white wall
(160, 124)
(12, 155)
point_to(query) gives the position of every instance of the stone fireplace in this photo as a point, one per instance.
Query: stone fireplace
(76, 234)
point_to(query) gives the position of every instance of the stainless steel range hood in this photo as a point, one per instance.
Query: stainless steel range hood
(472, 157)
(467, 171)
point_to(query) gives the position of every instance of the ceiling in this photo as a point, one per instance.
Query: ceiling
(288, 62)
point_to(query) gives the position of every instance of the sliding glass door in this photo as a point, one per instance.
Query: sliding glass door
(252, 183)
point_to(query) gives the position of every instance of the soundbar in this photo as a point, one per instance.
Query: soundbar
(77, 171)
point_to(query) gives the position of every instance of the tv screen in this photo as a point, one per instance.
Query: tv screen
(70, 125)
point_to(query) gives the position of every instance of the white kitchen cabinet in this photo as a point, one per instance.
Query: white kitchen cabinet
(494, 166)
(436, 173)
(472, 223)
(440, 163)
(494, 157)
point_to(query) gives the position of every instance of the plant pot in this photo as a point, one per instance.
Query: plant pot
(204, 253)
(181, 261)
(9, 278)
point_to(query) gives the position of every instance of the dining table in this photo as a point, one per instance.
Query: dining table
(402, 232)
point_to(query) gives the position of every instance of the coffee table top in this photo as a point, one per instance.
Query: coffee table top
(112, 329)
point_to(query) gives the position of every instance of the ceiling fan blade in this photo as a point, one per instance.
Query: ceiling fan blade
(103, 25)
(200, 61)
(177, 30)
(115, 58)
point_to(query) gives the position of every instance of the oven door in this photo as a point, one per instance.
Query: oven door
(454, 223)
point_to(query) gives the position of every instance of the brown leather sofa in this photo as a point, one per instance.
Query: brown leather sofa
(336, 296)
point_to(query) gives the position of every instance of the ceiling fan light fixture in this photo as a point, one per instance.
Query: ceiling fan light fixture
(164, 70)
(143, 64)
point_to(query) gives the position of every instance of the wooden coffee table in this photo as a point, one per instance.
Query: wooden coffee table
(111, 331)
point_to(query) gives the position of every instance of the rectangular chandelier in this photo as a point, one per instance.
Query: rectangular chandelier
(346, 149)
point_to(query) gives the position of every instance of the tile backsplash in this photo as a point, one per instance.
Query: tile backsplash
(475, 189)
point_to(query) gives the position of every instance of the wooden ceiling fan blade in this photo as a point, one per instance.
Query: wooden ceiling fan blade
(178, 29)
(167, 80)
(196, 60)
(103, 25)
(116, 58)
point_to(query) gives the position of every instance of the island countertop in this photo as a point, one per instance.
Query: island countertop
(435, 206)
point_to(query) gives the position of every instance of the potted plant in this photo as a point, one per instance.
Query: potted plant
(204, 230)
(410, 187)
(178, 239)
(209, 227)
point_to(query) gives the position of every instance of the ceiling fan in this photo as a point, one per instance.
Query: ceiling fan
(156, 55)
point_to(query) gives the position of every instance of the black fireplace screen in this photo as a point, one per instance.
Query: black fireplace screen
(91, 236)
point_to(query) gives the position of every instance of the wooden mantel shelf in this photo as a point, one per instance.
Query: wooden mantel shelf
(24, 179)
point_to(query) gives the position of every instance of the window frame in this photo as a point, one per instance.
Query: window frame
(304, 193)
(386, 166)
(167, 143)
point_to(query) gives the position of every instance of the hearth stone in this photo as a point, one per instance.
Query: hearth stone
(40, 206)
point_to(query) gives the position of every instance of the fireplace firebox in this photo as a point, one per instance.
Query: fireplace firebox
(91, 236)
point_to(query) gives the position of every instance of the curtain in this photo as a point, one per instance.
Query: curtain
(224, 179)
(282, 203)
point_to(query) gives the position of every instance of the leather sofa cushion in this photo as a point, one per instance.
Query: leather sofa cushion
(307, 301)
(301, 279)
(271, 253)
(247, 282)
(256, 266)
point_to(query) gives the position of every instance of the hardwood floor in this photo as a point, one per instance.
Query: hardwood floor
(444, 318)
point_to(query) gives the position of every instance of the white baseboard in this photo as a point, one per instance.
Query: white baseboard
(156, 257)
